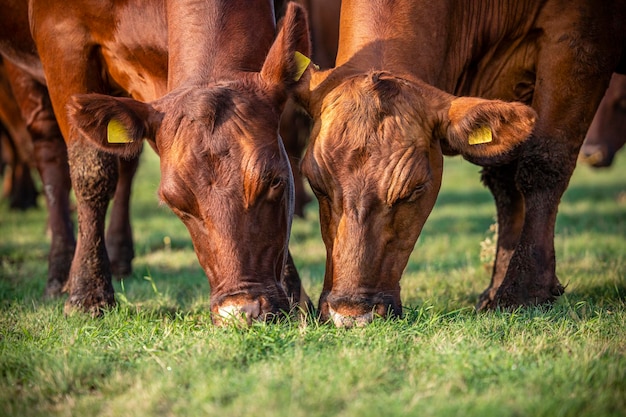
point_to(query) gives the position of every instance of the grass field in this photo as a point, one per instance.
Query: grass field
(157, 354)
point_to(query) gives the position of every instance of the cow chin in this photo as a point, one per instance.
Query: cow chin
(348, 312)
(244, 309)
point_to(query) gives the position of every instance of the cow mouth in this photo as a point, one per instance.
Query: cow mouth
(244, 309)
(348, 312)
(595, 156)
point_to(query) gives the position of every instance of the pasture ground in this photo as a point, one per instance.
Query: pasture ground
(157, 354)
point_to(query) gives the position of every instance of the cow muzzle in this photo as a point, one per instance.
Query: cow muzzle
(350, 312)
(244, 309)
(595, 155)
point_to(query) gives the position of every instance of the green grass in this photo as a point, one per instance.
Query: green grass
(157, 354)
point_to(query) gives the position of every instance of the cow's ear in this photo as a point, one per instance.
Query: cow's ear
(486, 131)
(114, 124)
(288, 59)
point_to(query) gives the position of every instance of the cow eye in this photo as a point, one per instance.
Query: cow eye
(275, 188)
(318, 192)
(418, 190)
(621, 104)
(276, 183)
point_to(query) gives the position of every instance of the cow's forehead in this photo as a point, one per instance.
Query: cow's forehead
(374, 109)
(215, 118)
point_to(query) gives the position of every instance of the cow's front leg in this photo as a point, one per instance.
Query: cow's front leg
(510, 219)
(542, 177)
(94, 176)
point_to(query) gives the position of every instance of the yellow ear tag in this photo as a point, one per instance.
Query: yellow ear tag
(117, 133)
(302, 62)
(480, 135)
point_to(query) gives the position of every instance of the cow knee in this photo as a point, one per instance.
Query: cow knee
(94, 173)
(544, 167)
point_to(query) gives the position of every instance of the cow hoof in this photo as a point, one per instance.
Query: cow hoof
(120, 259)
(485, 300)
(53, 290)
(507, 299)
(93, 309)
(121, 269)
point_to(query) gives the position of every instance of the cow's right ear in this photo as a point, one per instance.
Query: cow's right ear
(116, 125)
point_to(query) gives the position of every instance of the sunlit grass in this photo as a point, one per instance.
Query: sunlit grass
(157, 353)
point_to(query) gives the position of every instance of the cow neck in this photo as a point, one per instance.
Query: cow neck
(376, 36)
(212, 40)
(479, 31)
(436, 41)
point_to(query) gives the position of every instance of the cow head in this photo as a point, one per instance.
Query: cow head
(224, 170)
(375, 164)
(607, 132)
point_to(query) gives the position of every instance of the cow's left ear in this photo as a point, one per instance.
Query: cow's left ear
(116, 125)
(485, 131)
(287, 61)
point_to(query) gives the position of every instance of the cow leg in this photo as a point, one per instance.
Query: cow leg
(51, 159)
(119, 237)
(546, 164)
(530, 279)
(18, 186)
(94, 175)
(23, 194)
(510, 219)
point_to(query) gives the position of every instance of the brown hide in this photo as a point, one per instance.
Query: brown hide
(207, 95)
(385, 115)
(607, 133)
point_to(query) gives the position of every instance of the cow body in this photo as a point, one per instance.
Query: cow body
(193, 79)
(385, 116)
(607, 133)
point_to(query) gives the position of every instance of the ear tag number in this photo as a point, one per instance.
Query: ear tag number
(481, 135)
(117, 133)
(302, 62)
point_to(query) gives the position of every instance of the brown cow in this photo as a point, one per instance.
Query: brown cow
(607, 133)
(384, 116)
(210, 107)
